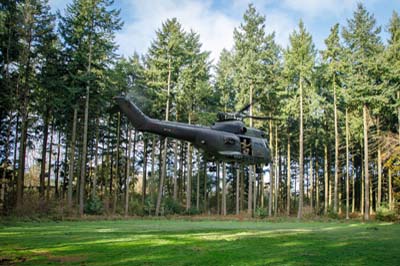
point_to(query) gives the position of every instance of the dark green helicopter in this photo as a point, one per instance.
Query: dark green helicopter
(227, 140)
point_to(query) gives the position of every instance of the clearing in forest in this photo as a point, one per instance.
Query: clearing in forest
(179, 242)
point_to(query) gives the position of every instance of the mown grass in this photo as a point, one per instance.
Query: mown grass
(179, 242)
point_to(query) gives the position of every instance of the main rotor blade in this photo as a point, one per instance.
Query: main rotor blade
(246, 107)
(260, 117)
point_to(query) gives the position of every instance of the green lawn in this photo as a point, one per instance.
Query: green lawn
(179, 242)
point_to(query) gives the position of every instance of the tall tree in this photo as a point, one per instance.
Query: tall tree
(362, 40)
(193, 90)
(299, 64)
(88, 29)
(255, 56)
(35, 30)
(332, 58)
(163, 64)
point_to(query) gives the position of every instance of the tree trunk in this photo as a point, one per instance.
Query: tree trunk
(128, 172)
(223, 189)
(288, 175)
(64, 182)
(153, 162)
(128, 168)
(366, 172)
(189, 176)
(117, 159)
(311, 181)
(353, 194)
(241, 196)
(335, 197)
(176, 161)
(254, 188)
(198, 182)
(96, 160)
(175, 174)
(378, 202)
(271, 169)
(390, 189)
(347, 165)
(22, 152)
(237, 189)
(110, 158)
(15, 172)
(326, 179)
(316, 182)
(301, 155)
(144, 178)
(205, 186)
(277, 173)
(362, 183)
(3, 181)
(250, 193)
(50, 154)
(217, 188)
(57, 165)
(71, 159)
(44, 152)
(162, 177)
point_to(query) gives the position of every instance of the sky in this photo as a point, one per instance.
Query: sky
(216, 20)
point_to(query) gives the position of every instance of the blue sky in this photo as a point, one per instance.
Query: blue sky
(215, 20)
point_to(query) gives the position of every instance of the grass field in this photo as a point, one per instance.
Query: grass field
(179, 242)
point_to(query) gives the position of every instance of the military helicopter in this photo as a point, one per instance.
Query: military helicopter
(228, 139)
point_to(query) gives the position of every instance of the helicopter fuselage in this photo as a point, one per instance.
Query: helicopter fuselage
(228, 141)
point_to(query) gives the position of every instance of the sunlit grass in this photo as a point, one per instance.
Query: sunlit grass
(179, 242)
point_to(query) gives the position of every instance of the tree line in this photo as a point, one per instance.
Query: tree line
(335, 139)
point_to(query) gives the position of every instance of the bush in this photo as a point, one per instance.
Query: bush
(148, 207)
(332, 214)
(192, 211)
(136, 207)
(384, 213)
(261, 213)
(172, 206)
(94, 206)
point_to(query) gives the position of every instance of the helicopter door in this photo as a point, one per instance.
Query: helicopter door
(245, 146)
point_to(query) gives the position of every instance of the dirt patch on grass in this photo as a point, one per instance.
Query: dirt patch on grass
(11, 261)
(62, 259)
(66, 259)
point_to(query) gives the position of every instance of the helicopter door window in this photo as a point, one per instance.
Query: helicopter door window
(245, 145)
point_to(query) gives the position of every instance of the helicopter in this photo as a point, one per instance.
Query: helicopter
(227, 139)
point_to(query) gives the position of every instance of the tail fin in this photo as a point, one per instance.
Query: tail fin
(134, 114)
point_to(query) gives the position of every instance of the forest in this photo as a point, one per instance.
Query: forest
(65, 150)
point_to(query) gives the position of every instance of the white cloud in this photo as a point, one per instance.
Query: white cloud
(282, 25)
(214, 24)
(322, 8)
(215, 27)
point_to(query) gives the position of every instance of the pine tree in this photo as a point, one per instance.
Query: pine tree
(363, 42)
(163, 64)
(332, 58)
(36, 32)
(255, 56)
(87, 29)
(193, 84)
(299, 64)
(392, 57)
